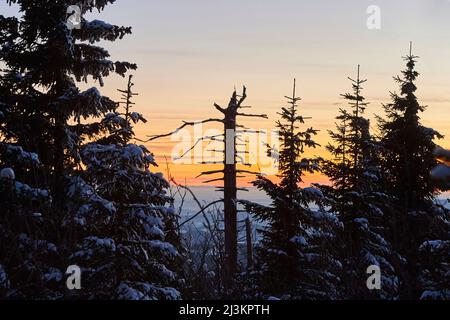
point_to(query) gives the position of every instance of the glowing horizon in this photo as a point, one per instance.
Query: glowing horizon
(193, 53)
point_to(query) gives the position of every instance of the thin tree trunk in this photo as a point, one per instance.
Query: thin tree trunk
(248, 228)
(230, 196)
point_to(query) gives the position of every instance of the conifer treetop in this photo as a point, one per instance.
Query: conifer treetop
(355, 99)
(293, 143)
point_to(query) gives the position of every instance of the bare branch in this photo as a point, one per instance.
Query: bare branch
(264, 116)
(219, 108)
(293, 99)
(185, 124)
(211, 162)
(246, 171)
(206, 173)
(202, 139)
(202, 208)
(214, 180)
(215, 150)
(246, 130)
(243, 97)
(200, 212)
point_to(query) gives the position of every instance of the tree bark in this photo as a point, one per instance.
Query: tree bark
(248, 228)
(230, 196)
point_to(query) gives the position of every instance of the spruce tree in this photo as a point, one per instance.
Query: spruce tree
(47, 126)
(28, 258)
(133, 253)
(408, 158)
(434, 262)
(434, 255)
(295, 259)
(356, 197)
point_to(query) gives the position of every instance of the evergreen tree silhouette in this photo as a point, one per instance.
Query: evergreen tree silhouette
(408, 158)
(356, 195)
(54, 215)
(295, 259)
(140, 264)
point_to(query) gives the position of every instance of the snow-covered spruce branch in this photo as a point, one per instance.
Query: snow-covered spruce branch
(443, 154)
(441, 173)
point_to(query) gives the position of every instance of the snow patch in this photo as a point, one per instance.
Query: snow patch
(7, 174)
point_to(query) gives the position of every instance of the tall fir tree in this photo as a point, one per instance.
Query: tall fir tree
(295, 257)
(408, 158)
(356, 196)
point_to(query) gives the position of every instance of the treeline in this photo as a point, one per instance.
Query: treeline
(380, 210)
(76, 191)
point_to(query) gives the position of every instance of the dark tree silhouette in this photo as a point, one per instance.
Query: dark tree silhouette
(408, 158)
(295, 259)
(75, 188)
(142, 261)
(230, 171)
(357, 197)
(53, 215)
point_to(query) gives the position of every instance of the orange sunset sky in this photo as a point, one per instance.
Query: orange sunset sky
(192, 53)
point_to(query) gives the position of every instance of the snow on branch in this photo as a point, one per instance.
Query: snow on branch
(97, 30)
(442, 154)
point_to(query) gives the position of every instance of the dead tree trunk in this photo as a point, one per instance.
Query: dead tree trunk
(127, 96)
(230, 173)
(230, 193)
(248, 229)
